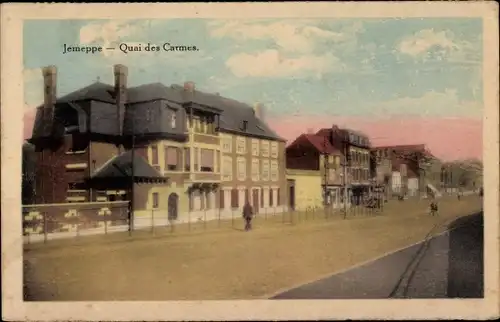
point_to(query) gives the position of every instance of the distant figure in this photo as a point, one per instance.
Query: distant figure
(247, 215)
(434, 208)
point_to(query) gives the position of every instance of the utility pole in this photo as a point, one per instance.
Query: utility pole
(347, 162)
(325, 166)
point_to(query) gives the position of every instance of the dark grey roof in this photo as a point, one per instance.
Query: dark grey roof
(233, 114)
(120, 166)
(97, 91)
(103, 109)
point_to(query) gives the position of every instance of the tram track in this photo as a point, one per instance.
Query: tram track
(404, 282)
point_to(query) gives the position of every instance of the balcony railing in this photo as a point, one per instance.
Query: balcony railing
(206, 177)
(206, 138)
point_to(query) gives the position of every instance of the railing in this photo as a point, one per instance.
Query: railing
(206, 176)
(206, 138)
(46, 221)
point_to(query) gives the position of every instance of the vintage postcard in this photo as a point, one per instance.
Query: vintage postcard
(250, 161)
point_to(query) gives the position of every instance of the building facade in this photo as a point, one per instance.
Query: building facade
(411, 169)
(305, 189)
(355, 146)
(194, 154)
(312, 152)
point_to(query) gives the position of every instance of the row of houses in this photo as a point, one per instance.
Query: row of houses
(183, 151)
(347, 169)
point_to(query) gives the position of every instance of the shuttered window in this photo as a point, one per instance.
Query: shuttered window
(187, 160)
(207, 160)
(221, 199)
(171, 158)
(234, 198)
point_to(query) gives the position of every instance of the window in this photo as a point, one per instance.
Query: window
(171, 158)
(255, 147)
(154, 155)
(244, 125)
(271, 198)
(274, 149)
(264, 148)
(234, 198)
(265, 170)
(331, 175)
(262, 198)
(278, 199)
(187, 160)
(337, 162)
(255, 170)
(207, 160)
(75, 185)
(274, 171)
(156, 200)
(403, 170)
(227, 144)
(196, 164)
(221, 199)
(330, 158)
(227, 168)
(241, 169)
(197, 124)
(241, 145)
(78, 144)
(173, 119)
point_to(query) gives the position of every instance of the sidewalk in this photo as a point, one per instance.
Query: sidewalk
(229, 264)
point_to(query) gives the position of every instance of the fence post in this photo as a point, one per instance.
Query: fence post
(105, 227)
(205, 218)
(232, 217)
(45, 227)
(152, 221)
(218, 219)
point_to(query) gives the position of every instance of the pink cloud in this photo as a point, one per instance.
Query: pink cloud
(446, 138)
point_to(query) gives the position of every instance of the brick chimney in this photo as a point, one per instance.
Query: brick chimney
(49, 98)
(121, 73)
(189, 87)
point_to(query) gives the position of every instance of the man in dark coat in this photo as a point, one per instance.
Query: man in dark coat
(247, 215)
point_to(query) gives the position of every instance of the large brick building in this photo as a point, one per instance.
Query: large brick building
(356, 148)
(194, 152)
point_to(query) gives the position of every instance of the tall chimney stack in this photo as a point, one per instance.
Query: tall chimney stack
(258, 110)
(49, 97)
(189, 86)
(121, 73)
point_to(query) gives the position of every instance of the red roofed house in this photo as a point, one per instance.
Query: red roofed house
(309, 152)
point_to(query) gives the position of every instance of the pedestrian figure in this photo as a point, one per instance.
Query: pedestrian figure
(434, 208)
(247, 215)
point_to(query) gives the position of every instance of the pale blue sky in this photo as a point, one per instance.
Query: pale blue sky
(372, 67)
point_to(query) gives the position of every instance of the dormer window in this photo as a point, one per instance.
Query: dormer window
(244, 126)
(173, 120)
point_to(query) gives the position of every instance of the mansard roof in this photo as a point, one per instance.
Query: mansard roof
(103, 114)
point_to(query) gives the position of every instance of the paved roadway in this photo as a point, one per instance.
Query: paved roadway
(447, 266)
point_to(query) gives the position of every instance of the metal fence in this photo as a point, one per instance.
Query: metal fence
(47, 222)
(53, 221)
